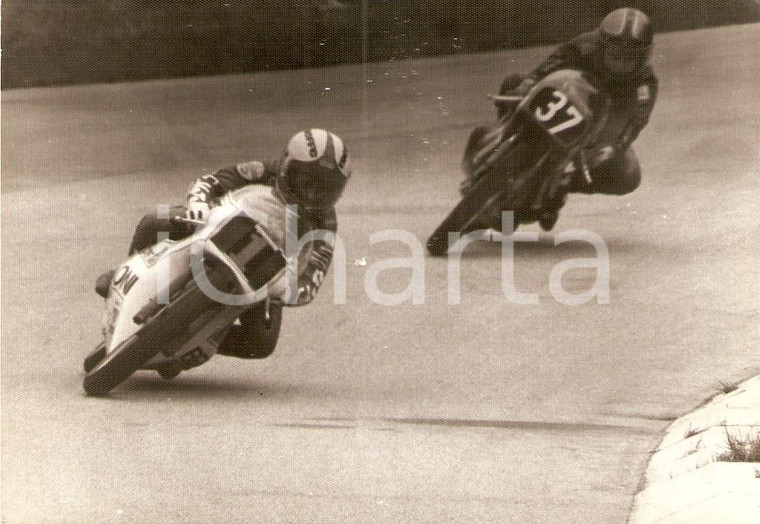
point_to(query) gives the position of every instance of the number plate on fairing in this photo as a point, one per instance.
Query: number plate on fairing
(241, 241)
(555, 112)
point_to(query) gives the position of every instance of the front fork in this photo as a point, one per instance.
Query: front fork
(582, 159)
(268, 313)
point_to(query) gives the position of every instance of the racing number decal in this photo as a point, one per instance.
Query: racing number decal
(551, 107)
(554, 109)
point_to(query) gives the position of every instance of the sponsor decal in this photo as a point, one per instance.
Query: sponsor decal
(343, 158)
(123, 280)
(151, 255)
(112, 314)
(313, 153)
(202, 188)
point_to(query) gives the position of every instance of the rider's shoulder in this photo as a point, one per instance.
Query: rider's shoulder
(585, 44)
(252, 170)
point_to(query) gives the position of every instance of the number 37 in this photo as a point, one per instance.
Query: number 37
(552, 108)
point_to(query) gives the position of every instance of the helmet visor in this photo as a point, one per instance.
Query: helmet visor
(313, 186)
(623, 60)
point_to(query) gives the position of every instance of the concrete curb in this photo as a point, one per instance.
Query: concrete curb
(683, 482)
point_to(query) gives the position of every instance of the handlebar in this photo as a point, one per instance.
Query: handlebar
(179, 219)
(505, 99)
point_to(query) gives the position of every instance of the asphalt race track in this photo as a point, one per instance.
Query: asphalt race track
(482, 411)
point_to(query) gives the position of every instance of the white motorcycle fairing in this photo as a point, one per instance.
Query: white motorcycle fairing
(168, 296)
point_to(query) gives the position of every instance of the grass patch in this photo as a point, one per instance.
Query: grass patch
(693, 431)
(741, 449)
(727, 388)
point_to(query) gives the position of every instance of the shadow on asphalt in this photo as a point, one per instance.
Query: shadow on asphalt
(545, 247)
(529, 250)
(146, 385)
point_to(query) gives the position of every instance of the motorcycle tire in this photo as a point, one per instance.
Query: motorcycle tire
(95, 356)
(161, 333)
(493, 185)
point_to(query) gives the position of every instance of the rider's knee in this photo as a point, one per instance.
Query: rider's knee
(629, 175)
(145, 233)
(256, 336)
(152, 226)
(246, 342)
(618, 176)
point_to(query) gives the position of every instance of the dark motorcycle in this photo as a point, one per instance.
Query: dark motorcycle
(524, 161)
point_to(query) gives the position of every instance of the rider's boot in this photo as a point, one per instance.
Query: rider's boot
(548, 219)
(579, 183)
(103, 283)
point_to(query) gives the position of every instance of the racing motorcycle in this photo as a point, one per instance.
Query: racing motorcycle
(169, 306)
(523, 162)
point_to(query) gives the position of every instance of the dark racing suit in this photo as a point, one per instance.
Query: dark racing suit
(618, 171)
(246, 340)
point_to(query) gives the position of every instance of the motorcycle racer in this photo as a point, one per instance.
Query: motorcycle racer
(617, 53)
(310, 175)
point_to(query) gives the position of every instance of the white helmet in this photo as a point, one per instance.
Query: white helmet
(314, 170)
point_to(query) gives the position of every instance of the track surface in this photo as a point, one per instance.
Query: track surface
(483, 411)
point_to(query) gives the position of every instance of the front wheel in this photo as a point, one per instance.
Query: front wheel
(94, 357)
(116, 367)
(495, 185)
(162, 333)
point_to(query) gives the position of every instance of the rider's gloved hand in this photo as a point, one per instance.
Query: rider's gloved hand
(308, 287)
(197, 210)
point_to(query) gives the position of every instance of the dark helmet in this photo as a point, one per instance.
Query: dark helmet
(314, 170)
(627, 36)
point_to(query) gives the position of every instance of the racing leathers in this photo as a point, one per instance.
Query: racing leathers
(614, 167)
(314, 257)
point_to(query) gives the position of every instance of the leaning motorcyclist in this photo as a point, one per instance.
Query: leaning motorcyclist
(617, 53)
(311, 174)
